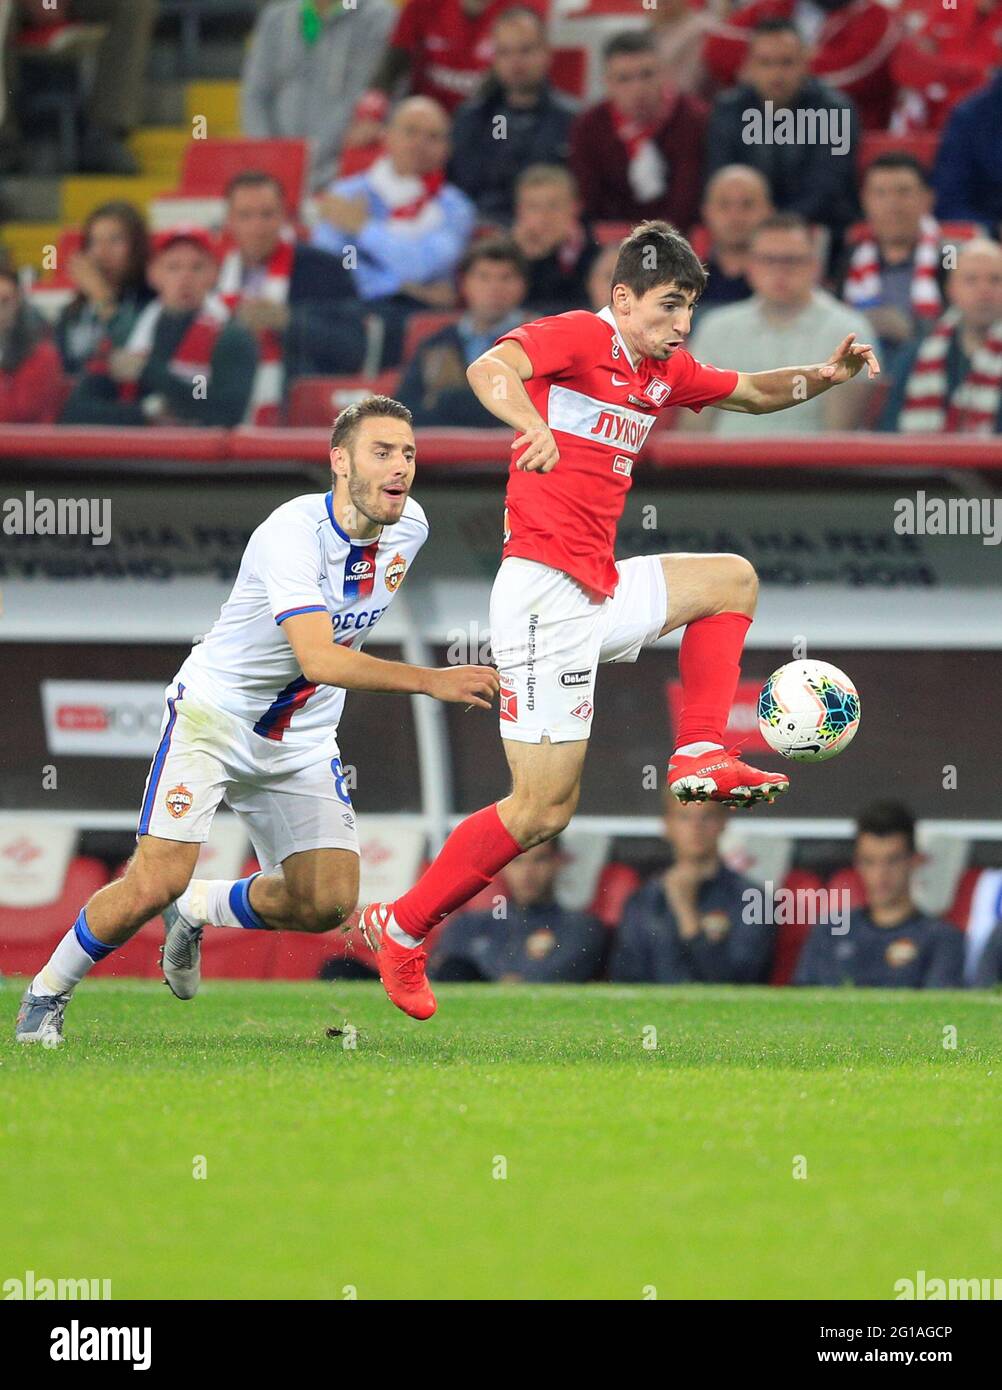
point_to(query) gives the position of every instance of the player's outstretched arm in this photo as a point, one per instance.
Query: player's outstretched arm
(760, 393)
(327, 663)
(496, 380)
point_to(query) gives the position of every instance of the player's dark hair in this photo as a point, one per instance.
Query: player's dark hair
(495, 248)
(352, 416)
(520, 12)
(628, 43)
(887, 818)
(133, 224)
(656, 253)
(253, 178)
(899, 159)
(775, 24)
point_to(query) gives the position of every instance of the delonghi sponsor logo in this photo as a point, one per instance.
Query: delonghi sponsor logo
(574, 678)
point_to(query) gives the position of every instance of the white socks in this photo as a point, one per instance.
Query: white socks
(219, 902)
(693, 750)
(71, 960)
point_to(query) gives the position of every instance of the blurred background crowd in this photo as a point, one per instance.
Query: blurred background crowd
(306, 198)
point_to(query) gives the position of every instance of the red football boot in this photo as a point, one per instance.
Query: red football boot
(401, 968)
(720, 776)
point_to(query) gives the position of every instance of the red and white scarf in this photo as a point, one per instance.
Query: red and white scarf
(973, 407)
(193, 355)
(269, 379)
(862, 287)
(647, 167)
(408, 198)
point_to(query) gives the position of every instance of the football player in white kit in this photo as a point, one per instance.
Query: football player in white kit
(251, 719)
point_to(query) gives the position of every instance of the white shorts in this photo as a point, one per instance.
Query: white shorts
(549, 636)
(291, 796)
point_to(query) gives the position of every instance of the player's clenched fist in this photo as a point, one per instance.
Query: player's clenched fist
(541, 449)
(464, 685)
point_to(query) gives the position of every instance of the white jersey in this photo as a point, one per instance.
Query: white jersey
(298, 561)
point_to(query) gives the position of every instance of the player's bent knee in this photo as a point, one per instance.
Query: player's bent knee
(744, 580)
(323, 914)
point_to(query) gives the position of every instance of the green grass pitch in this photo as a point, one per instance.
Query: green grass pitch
(629, 1171)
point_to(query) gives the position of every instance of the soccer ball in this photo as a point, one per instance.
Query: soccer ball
(808, 711)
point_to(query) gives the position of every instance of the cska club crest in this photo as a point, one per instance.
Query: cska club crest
(395, 572)
(179, 801)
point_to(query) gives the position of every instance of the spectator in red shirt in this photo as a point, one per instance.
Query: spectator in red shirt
(31, 376)
(638, 154)
(852, 42)
(439, 49)
(945, 59)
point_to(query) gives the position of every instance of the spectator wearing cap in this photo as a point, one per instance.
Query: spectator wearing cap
(514, 119)
(639, 152)
(307, 65)
(109, 273)
(493, 281)
(31, 379)
(889, 943)
(557, 246)
(400, 223)
(691, 923)
(186, 361)
(895, 270)
(528, 936)
(299, 302)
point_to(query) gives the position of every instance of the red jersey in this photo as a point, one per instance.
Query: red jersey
(600, 406)
(449, 49)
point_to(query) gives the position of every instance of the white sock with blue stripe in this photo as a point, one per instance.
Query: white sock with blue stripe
(78, 951)
(220, 902)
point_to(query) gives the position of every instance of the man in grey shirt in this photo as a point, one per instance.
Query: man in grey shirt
(309, 62)
(788, 319)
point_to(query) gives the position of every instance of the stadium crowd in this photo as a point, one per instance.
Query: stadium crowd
(454, 188)
(700, 921)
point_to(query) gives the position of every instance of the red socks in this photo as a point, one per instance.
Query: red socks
(475, 851)
(709, 664)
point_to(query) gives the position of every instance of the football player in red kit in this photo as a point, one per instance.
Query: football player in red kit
(582, 391)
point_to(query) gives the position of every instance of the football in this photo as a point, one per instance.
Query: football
(808, 711)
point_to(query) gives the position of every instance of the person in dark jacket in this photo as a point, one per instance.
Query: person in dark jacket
(639, 153)
(799, 133)
(557, 246)
(31, 380)
(109, 272)
(516, 118)
(493, 280)
(298, 301)
(698, 921)
(968, 173)
(186, 361)
(989, 968)
(889, 944)
(527, 936)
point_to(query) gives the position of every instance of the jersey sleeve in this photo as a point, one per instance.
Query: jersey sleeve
(288, 564)
(695, 384)
(557, 346)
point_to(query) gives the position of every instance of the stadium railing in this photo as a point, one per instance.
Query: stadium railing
(490, 449)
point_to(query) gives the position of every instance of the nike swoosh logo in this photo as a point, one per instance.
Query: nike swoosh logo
(619, 381)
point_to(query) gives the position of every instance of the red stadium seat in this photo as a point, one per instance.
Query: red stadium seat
(315, 400)
(616, 884)
(569, 71)
(357, 158)
(424, 325)
(960, 909)
(922, 144)
(210, 164)
(28, 935)
(609, 233)
(848, 878)
(790, 936)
